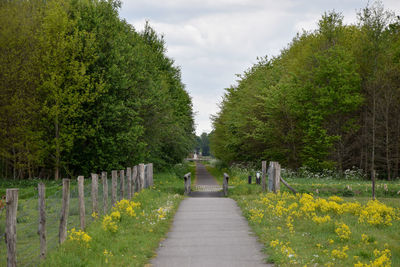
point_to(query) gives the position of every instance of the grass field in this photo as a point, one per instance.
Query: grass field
(139, 236)
(314, 228)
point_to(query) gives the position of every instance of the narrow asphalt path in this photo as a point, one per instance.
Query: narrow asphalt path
(204, 178)
(209, 232)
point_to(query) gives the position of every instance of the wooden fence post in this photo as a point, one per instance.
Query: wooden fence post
(105, 192)
(114, 182)
(274, 177)
(122, 184)
(141, 176)
(277, 177)
(62, 233)
(188, 181)
(264, 173)
(129, 178)
(135, 180)
(11, 226)
(225, 184)
(95, 194)
(81, 195)
(146, 182)
(42, 220)
(150, 174)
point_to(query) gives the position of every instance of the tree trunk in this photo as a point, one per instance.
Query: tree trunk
(387, 143)
(373, 130)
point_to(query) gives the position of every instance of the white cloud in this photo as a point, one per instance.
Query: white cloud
(212, 40)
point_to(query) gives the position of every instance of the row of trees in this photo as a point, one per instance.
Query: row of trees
(203, 144)
(81, 90)
(331, 99)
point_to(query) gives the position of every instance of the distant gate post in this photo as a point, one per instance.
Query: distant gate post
(11, 226)
(187, 178)
(225, 184)
(264, 173)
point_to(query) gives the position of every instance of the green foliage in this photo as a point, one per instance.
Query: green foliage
(326, 102)
(83, 91)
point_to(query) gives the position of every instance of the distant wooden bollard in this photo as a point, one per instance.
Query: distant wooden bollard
(187, 179)
(225, 184)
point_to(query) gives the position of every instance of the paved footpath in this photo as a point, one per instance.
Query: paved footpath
(209, 231)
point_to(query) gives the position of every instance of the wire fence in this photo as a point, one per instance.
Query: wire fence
(28, 242)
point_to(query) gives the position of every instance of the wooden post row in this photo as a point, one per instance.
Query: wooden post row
(11, 226)
(62, 233)
(95, 193)
(81, 195)
(42, 220)
(105, 192)
(129, 178)
(114, 182)
(122, 184)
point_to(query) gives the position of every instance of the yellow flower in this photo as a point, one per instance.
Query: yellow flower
(343, 231)
(115, 215)
(109, 224)
(79, 236)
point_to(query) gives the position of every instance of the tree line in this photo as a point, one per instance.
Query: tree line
(82, 90)
(329, 100)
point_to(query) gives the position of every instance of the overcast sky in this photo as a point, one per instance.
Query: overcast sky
(212, 40)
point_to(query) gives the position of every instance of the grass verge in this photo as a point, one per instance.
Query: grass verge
(316, 228)
(130, 234)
